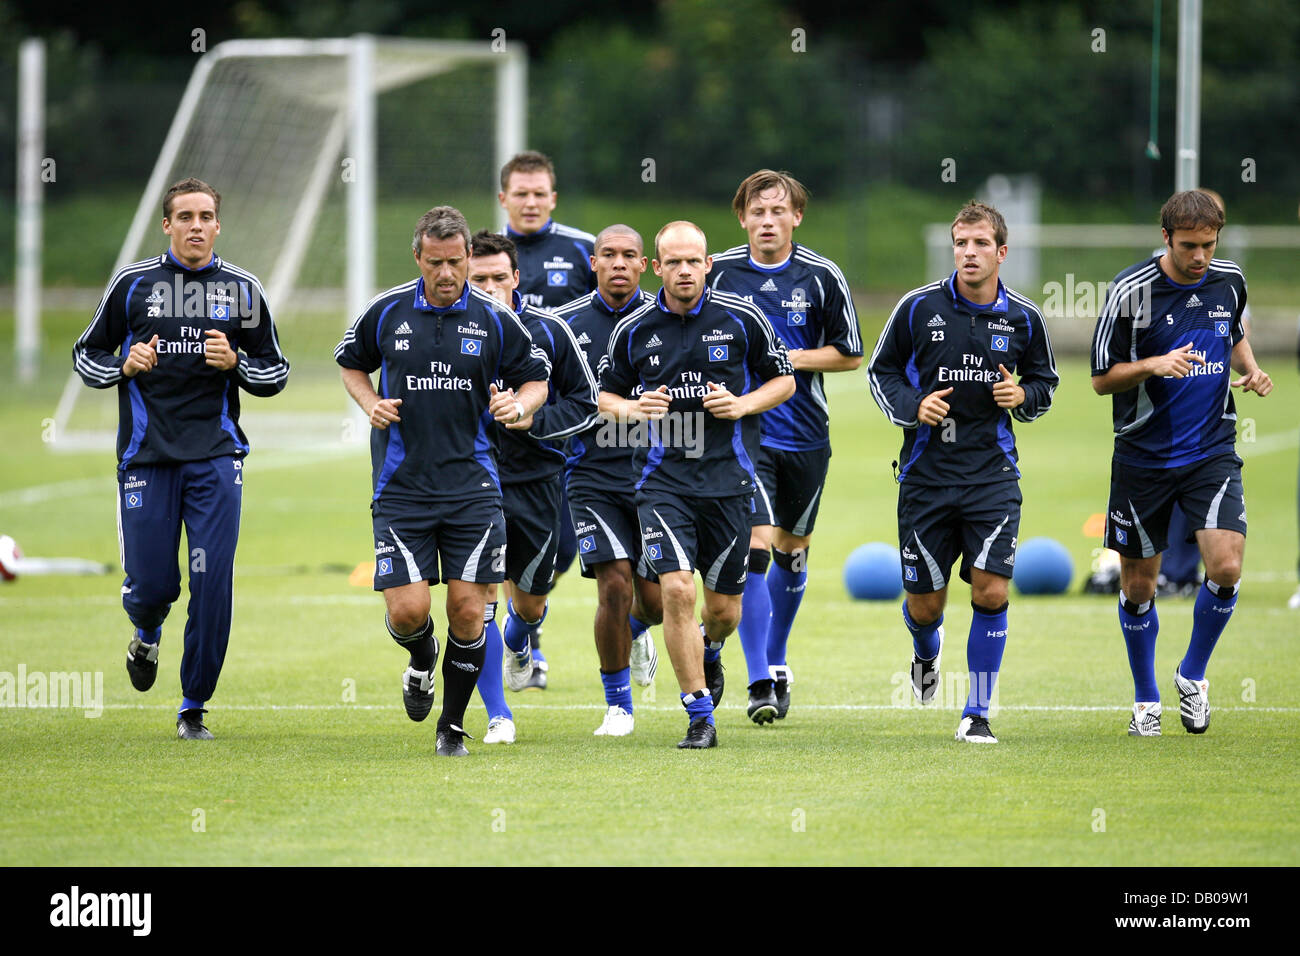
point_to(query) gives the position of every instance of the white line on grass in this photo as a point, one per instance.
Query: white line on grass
(80, 487)
(367, 598)
(75, 488)
(1266, 444)
(1082, 608)
(676, 708)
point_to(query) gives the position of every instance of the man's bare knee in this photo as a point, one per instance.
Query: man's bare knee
(408, 610)
(465, 603)
(1137, 578)
(990, 594)
(789, 543)
(722, 610)
(926, 608)
(614, 586)
(530, 607)
(647, 602)
(1225, 572)
(678, 590)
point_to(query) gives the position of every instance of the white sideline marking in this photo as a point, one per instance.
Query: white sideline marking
(1091, 607)
(1266, 444)
(676, 708)
(366, 598)
(81, 487)
(75, 488)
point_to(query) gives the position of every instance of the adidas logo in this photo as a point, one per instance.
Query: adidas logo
(1193, 302)
(583, 339)
(654, 342)
(403, 329)
(768, 286)
(936, 322)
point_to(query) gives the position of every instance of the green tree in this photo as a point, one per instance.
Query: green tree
(717, 91)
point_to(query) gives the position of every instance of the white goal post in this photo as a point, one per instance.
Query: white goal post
(290, 131)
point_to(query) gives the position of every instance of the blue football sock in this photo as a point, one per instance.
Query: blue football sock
(925, 639)
(1140, 625)
(637, 626)
(755, 616)
(1214, 606)
(149, 635)
(785, 587)
(699, 704)
(490, 687)
(984, 647)
(618, 688)
(519, 633)
(188, 703)
(712, 649)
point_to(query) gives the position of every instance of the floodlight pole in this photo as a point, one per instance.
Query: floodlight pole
(27, 249)
(1187, 157)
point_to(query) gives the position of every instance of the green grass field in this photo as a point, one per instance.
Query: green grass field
(316, 763)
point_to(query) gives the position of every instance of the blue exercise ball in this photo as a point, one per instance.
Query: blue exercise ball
(873, 572)
(1043, 566)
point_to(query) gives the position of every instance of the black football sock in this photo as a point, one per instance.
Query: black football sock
(461, 665)
(419, 645)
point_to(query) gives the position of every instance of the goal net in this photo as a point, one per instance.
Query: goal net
(325, 153)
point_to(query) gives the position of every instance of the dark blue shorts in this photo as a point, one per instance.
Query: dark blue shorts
(468, 537)
(681, 533)
(532, 511)
(607, 529)
(935, 524)
(568, 545)
(1141, 500)
(788, 488)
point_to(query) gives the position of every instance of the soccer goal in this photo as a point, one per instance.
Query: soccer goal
(325, 153)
